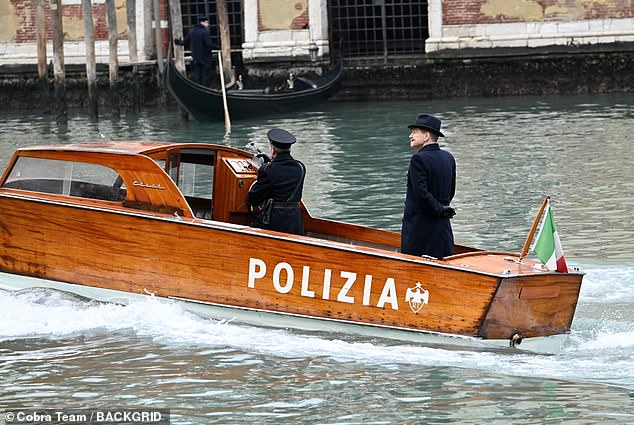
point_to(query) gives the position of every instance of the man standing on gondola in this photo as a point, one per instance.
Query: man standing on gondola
(277, 192)
(431, 185)
(203, 66)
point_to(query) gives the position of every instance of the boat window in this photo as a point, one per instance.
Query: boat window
(193, 172)
(66, 178)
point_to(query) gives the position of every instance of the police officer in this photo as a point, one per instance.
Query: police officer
(203, 66)
(431, 185)
(278, 188)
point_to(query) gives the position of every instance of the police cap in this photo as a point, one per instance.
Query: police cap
(280, 138)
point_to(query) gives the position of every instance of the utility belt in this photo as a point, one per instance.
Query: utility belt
(282, 204)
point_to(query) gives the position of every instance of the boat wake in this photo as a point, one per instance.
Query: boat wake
(600, 347)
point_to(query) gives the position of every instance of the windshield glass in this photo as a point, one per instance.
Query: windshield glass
(66, 178)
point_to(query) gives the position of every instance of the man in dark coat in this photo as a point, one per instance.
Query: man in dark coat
(431, 185)
(203, 67)
(279, 187)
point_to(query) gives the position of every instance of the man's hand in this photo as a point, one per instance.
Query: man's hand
(260, 159)
(265, 157)
(447, 212)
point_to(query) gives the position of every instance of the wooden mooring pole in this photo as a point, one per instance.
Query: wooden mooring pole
(113, 60)
(225, 40)
(159, 51)
(176, 31)
(130, 10)
(58, 62)
(91, 66)
(133, 89)
(147, 29)
(40, 29)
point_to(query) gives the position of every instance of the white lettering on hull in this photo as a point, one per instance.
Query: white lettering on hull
(257, 270)
(283, 289)
(283, 278)
(343, 294)
(367, 289)
(326, 289)
(388, 295)
(305, 291)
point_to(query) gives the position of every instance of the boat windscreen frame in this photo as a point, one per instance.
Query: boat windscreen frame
(183, 166)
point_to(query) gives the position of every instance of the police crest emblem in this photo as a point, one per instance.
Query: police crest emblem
(417, 297)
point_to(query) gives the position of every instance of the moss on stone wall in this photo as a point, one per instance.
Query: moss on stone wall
(500, 73)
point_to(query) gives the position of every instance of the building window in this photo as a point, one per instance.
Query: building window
(192, 9)
(378, 30)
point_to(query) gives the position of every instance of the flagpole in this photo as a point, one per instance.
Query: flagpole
(531, 233)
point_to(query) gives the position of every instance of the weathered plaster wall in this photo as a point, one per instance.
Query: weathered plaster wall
(18, 31)
(282, 14)
(284, 30)
(9, 22)
(72, 21)
(486, 24)
(458, 12)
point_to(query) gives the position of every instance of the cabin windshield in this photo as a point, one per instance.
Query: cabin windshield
(193, 171)
(66, 178)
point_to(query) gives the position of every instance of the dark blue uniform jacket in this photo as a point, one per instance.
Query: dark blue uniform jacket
(431, 183)
(278, 180)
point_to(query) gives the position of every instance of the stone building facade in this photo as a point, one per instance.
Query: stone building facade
(457, 24)
(18, 31)
(282, 30)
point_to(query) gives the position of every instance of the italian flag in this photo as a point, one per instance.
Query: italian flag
(548, 247)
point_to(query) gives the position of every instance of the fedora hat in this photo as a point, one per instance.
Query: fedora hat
(428, 122)
(280, 138)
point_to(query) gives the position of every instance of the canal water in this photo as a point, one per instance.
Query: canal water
(57, 351)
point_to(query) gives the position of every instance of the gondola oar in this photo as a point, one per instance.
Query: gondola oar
(224, 94)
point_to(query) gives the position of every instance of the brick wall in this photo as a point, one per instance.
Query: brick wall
(71, 17)
(460, 12)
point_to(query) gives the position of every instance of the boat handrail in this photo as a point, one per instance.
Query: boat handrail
(474, 253)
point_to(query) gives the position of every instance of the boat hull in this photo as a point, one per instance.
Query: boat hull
(544, 345)
(233, 266)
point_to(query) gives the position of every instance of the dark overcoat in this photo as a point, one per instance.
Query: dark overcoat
(431, 184)
(203, 68)
(282, 179)
(201, 44)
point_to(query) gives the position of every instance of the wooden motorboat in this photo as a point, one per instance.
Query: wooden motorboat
(125, 219)
(206, 104)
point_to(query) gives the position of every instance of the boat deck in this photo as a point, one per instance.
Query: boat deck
(502, 263)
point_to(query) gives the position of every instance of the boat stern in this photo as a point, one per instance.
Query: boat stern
(538, 305)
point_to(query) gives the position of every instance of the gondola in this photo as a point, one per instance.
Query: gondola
(205, 104)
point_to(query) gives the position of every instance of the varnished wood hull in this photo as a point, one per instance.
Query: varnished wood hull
(230, 265)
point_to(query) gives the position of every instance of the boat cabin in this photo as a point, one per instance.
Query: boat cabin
(191, 180)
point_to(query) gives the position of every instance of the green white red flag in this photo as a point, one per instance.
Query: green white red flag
(548, 246)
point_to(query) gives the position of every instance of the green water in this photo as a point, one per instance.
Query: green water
(59, 352)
